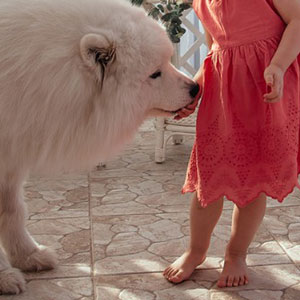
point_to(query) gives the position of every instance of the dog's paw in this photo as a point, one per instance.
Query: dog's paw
(11, 282)
(41, 259)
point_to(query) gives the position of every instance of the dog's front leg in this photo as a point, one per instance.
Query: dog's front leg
(22, 251)
(11, 279)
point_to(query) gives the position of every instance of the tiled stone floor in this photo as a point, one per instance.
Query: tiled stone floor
(116, 228)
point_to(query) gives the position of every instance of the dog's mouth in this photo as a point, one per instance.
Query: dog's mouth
(170, 111)
(158, 112)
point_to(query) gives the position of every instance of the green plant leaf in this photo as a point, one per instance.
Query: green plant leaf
(184, 6)
(137, 2)
(169, 13)
(175, 39)
(169, 7)
(176, 20)
(161, 8)
(182, 30)
(168, 16)
(154, 13)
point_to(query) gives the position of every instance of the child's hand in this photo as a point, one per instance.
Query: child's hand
(188, 110)
(274, 79)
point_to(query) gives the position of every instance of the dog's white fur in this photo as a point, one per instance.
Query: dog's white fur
(74, 87)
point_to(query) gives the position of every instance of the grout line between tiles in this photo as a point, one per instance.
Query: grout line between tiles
(91, 239)
(276, 240)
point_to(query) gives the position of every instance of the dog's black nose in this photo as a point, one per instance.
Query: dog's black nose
(194, 90)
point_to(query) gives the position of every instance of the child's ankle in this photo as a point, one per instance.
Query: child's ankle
(197, 251)
(234, 253)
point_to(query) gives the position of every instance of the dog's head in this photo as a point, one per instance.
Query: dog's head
(130, 61)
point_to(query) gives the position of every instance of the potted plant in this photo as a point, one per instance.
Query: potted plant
(169, 13)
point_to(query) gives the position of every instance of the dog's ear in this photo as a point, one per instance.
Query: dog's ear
(97, 51)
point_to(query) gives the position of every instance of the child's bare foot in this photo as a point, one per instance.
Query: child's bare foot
(182, 268)
(234, 272)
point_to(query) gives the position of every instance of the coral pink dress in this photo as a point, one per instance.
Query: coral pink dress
(243, 145)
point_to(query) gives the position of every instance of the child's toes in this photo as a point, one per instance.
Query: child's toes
(171, 274)
(222, 282)
(174, 273)
(236, 281)
(167, 271)
(230, 280)
(242, 280)
(178, 277)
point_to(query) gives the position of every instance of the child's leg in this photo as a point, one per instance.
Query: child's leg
(245, 223)
(202, 223)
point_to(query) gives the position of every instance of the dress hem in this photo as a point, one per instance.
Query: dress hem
(190, 189)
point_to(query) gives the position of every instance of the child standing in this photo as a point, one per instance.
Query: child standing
(247, 140)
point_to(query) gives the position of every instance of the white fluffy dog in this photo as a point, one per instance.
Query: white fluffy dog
(77, 78)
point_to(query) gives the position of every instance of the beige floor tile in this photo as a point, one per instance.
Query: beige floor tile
(284, 224)
(146, 286)
(62, 197)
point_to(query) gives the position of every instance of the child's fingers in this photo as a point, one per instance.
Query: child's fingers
(178, 117)
(273, 76)
(272, 94)
(193, 105)
(188, 110)
(183, 113)
(269, 79)
(276, 91)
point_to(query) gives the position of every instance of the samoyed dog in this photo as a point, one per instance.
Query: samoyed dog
(77, 78)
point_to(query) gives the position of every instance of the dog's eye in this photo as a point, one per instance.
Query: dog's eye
(155, 75)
